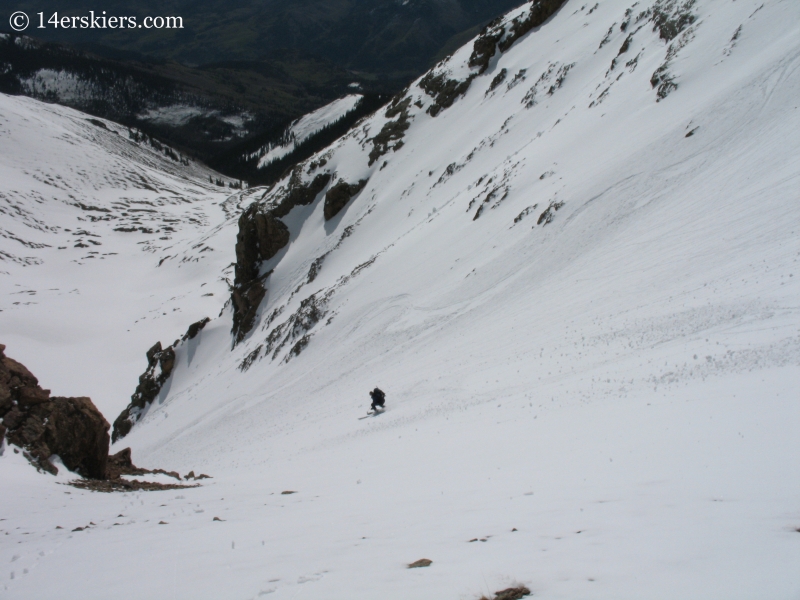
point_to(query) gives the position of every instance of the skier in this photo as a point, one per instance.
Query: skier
(378, 399)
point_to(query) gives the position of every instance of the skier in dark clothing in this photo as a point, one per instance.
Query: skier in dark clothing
(378, 399)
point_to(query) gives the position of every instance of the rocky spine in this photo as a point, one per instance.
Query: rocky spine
(160, 363)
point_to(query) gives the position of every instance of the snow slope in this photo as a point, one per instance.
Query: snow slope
(597, 399)
(306, 126)
(106, 246)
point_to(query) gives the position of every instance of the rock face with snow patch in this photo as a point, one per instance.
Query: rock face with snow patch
(160, 363)
(500, 34)
(72, 428)
(262, 235)
(339, 195)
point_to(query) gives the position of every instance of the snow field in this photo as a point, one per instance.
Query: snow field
(641, 497)
(618, 384)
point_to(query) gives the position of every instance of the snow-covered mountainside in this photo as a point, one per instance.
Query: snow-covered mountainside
(305, 127)
(569, 256)
(107, 245)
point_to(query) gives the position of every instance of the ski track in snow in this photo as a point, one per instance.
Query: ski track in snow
(594, 377)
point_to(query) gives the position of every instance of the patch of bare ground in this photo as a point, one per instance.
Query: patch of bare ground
(120, 464)
(514, 593)
(125, 485)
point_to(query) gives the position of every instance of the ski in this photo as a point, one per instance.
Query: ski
(372, 414)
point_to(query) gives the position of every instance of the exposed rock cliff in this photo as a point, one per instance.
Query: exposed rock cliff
(71, 428)
(160, 362)
(262, 235)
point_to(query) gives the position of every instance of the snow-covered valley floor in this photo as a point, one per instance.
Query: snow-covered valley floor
(597, 400)
(107, 246)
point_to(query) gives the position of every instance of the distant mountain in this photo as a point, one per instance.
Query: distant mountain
(216, 112)
(381, 37)
(260, 68)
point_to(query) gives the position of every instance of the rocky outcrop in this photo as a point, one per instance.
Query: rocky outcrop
(339, 195)
(42, 426)
(160, 363)
(246, 299)
(495, 36)
(261, 232)
(299, 193)
(485, 45)
(194, 329)
(444, 90)
(72, 428)
(391, 135)
(121, 463)
(261, 236)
